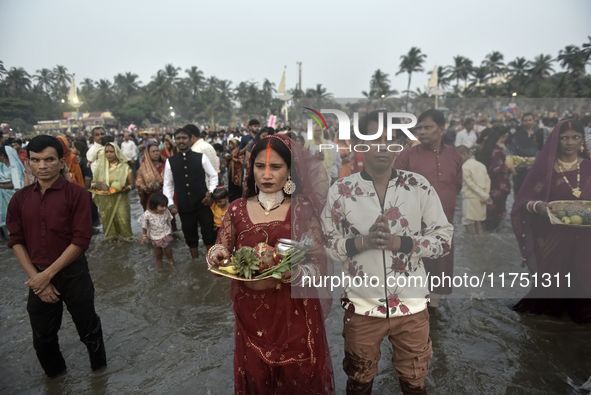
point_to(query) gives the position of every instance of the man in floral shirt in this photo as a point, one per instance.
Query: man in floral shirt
(380, 223)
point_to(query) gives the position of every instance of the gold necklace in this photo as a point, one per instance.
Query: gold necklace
(567, 166)
(576, 191)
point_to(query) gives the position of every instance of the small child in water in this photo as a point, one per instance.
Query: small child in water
(219, 206)
(156, 224)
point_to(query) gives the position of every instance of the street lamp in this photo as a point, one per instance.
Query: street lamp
(63, 101)
(514, 94)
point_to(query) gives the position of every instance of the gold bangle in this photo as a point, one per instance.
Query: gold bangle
(286, 281)
(144, 236)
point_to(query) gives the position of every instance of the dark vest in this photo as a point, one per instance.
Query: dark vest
(189, 180)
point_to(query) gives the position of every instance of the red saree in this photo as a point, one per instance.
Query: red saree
(280, 340)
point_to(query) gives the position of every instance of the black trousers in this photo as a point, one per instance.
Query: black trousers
(202, 216)
(77, 292)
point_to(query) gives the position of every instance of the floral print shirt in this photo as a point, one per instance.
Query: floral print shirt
(385, 283)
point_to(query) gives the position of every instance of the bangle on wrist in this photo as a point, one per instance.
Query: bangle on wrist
(144, 236)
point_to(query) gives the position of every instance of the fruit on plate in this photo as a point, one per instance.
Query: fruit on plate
(116, 185)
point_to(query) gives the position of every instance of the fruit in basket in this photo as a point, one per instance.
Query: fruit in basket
(509, 161)
(574, 209)
(587, 218)
(576, 220)
(566, 220)
(561, 214)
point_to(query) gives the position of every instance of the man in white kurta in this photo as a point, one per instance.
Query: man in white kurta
(475, 192)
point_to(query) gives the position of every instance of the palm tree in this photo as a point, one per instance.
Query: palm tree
(268, 90)
(160, 87)
(104, 94)
(479, 75)
(541, 67)
(2, 70)
(171, 72)
(572, 59)
(460, 70)
(61, 80)
(494, 63)
(587, 50)
(126, 84)
(17, 81)
(380, 84)
(194, 81)
(442, 77)
(518, 67)
(411, 63)
(318, 93)
(44, 79)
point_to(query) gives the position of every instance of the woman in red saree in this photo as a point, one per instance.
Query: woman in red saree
(150, 176)
(72, 162)
(235, 170)
(562, 171)
(280, 341)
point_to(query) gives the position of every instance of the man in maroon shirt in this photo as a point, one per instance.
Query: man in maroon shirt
(50, 228)
(441, 165)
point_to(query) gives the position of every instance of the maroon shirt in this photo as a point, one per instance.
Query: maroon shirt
(47, 224)
(443, 170)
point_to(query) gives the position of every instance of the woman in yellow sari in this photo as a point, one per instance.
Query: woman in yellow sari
(113, 172)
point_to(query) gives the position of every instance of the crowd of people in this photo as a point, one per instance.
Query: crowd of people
(381, 213)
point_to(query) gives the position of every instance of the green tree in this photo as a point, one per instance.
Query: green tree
(573, 60)
(104, 97)
(268, 90)
(45, 79)
(460, 70)
(194, 81)
(541, 67)
(126, 85)
(494, 63)
(412, 62)
(16, 83)
(160, 87)
(61, 79)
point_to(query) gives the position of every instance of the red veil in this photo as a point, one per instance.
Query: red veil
(281, 344)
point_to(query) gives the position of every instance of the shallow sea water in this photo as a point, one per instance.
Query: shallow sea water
(170, 330)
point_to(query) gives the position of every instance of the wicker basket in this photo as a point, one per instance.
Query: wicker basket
(554, 207)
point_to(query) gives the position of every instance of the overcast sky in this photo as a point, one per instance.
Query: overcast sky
(340, 43)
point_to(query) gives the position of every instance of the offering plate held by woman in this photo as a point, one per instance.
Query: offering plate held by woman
(280, 341)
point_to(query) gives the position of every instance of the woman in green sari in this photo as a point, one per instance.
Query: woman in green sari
(113, 172)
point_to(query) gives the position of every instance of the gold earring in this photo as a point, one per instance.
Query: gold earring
(582, 148)
(289, 186)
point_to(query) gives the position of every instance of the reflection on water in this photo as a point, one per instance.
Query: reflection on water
(170, 330)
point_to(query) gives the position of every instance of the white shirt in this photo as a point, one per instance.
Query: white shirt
(129, 149)
(203, 147)
(465, 138)
(168, 188)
